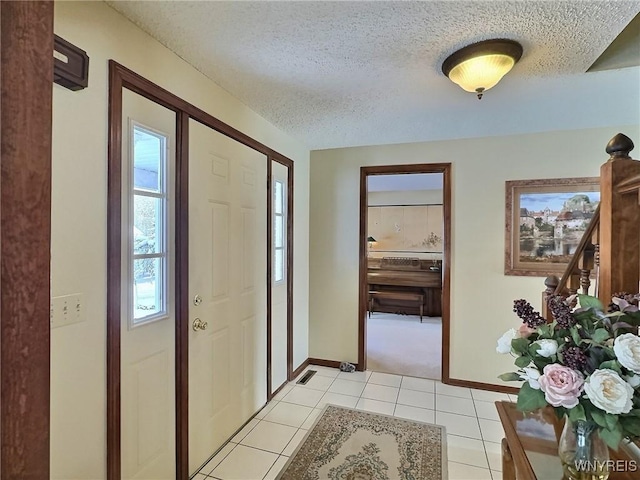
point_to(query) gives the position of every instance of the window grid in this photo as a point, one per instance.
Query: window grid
(279, 226)
(148, 267)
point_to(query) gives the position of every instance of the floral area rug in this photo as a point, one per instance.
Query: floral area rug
(349, 444)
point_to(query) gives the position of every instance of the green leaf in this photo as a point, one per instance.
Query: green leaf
(611, 420)
(545, 331)
(510, 377)
(523, 361)
(577, 339)
(611, 365)
(533, 349)
(599, 417)
(541, 362)
(519, 345)
(612, 437)
(587, 301)
(577, 413)
(600, 335)
(631, 425)
(530, 399)
(635, 412)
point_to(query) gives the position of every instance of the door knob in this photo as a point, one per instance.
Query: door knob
(199, 325)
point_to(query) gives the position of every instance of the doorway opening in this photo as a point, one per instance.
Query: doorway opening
(405, 242)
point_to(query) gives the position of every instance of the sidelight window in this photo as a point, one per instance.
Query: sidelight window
(148, 225)
(279, 231)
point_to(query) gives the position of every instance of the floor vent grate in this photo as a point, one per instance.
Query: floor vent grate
(306, 377)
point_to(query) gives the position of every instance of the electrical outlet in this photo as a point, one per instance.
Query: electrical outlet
(67, 309)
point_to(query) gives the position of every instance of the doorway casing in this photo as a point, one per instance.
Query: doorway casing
(121, 77)
(365, 172)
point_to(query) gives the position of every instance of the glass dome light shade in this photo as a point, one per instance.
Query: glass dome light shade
(479, 66)
(481, 73)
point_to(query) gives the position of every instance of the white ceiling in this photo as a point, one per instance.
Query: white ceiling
(404, 182)
(336, 74)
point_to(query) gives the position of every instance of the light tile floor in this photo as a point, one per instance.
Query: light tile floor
(263, 446)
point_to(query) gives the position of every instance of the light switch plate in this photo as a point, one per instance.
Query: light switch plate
(66, 310)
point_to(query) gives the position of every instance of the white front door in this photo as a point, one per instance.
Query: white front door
(227, 288)
(147, 329)
(279, 276)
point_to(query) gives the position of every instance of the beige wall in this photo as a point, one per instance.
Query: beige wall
(404, 197)
(481, 294)
(78, 370)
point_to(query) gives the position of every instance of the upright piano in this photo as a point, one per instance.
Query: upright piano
(401, 275)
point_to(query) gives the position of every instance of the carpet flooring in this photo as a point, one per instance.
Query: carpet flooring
(402, 345)
(351, 444)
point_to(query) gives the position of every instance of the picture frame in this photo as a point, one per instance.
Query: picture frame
(545, 220)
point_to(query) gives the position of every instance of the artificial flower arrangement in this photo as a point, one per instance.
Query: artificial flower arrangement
(585, 363)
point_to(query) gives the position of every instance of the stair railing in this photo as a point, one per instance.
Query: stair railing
(609, 251)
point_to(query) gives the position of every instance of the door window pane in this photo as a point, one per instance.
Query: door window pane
(147, 224)
(279, 227)
(147, 287)
(148, 158)
(279, 265)
(279, 198)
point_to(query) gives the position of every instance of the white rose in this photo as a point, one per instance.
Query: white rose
(504, 342)
(609, 392)
(547, 347)
(531, 375)
(627, 349)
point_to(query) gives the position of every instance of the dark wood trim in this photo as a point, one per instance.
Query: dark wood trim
(26, 36)
(299, 370)
(446, 170)
(114, 273)
(182, 295)
(447, 203)
(330, 363)
(121, 77)
(289, 164)
(269, 278)
(290, 197)
(483, 386)
(362, 265)
(277, 391)
(156, 93)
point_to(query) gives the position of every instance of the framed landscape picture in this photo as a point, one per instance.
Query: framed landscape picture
(545, 220)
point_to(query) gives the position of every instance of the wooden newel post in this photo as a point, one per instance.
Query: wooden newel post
(619, 222)
(550, 283)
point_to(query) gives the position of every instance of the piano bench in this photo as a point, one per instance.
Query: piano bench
(406, 296)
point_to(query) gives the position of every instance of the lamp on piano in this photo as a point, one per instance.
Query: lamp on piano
(371, 241)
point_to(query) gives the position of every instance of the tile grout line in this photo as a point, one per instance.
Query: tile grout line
(368, 381)
(486, 455)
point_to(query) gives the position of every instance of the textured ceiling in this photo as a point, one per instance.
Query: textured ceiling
(335, 74)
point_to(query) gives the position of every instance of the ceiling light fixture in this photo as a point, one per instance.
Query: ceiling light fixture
(480, 66)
